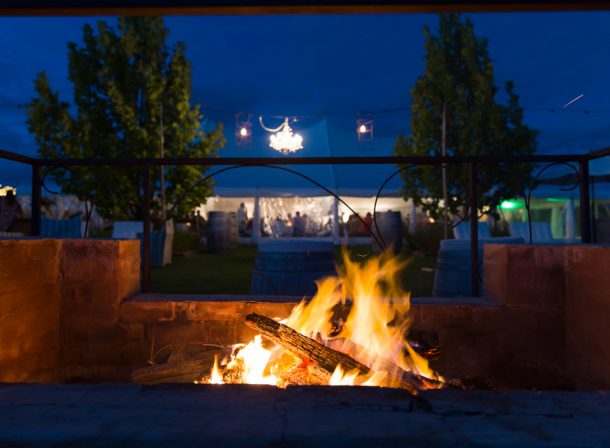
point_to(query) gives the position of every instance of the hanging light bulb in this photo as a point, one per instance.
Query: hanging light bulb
(284, 140)
(243, 129)
(364, 127)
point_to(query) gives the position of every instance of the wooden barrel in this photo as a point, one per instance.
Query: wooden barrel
(391, 231)
(222, 232)
(452, 276)
(291, 267)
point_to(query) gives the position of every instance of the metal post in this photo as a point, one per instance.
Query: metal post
(36, 200)
(256, 219)
(585, 206)
(162, 152)
(146, 264)
(444, 173)
(474, 230)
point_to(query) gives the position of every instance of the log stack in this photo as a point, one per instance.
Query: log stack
(314, 363)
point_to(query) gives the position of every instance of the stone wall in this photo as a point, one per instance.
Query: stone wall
(96, 275)
(59, 301)
(63, 317)
(560, 294)
(587, 316)
(30, 302)
(159, 322)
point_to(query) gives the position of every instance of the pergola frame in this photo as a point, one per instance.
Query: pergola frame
(145, 164)
(263, 7)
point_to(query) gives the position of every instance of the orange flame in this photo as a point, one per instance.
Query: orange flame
(364, 313)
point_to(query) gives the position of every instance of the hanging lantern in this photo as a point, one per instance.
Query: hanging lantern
(243, 129)
(283, 139)
(364, 127)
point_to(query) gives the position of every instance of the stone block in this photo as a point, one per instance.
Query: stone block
(527, 276)
(272, 310)
(134, 354)
(587, 316)
(215, 310)
(495, 271)
(133, 332)
(92, 297)
(131, 311)
(224, 332)
(128, 272)
(84, 261)
(21, 258)
(175, 334)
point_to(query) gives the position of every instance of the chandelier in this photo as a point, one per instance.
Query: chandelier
(283, 139)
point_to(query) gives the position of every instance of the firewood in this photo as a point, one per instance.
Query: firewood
(180, 372)
(303, 347)
(396, 375)
(325, 358)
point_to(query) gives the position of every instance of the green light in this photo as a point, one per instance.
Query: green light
(511, 205)
(555, 200)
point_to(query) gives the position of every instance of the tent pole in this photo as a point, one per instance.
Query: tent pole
(336, 236)
(256, 219)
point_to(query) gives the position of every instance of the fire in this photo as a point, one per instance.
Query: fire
(341, 378)
(363, 313)
(216, 376)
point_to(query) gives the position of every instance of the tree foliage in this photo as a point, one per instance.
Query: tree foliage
(124, 81)
(459, 77)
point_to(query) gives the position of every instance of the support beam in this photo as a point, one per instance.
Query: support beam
(36, 200)
(474, 230)
(335, 222)
(585, 206)
(146, 261)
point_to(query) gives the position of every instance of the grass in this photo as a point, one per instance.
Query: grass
(204, 273)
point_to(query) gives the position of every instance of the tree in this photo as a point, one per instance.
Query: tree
(124, 83)
(459, 79)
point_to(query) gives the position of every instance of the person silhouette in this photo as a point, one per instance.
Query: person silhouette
(9, 210)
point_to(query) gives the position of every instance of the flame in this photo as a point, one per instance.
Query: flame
(363, 313)
(341, 378)
(255, 358)
(216, 376)
(373, 331)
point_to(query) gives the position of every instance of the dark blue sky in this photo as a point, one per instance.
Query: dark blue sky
(331, 67)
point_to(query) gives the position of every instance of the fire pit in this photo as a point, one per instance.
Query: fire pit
(352, 332)
(80, 323)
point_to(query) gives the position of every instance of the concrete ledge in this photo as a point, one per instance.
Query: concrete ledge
(263, 416)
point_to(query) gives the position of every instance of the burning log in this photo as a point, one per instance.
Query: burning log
(325, 358)
(179, 372)
(302, 346)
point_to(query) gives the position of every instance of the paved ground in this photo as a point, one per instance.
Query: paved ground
(261, 416)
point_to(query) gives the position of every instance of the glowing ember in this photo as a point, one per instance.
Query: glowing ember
(363, 313)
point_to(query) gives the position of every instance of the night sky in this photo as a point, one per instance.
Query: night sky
(326, 69)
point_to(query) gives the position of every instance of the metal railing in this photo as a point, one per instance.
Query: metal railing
(473, 162)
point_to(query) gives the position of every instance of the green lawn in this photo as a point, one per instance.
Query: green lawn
(204, 273)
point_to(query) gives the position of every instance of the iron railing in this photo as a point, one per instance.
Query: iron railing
(473, 162)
